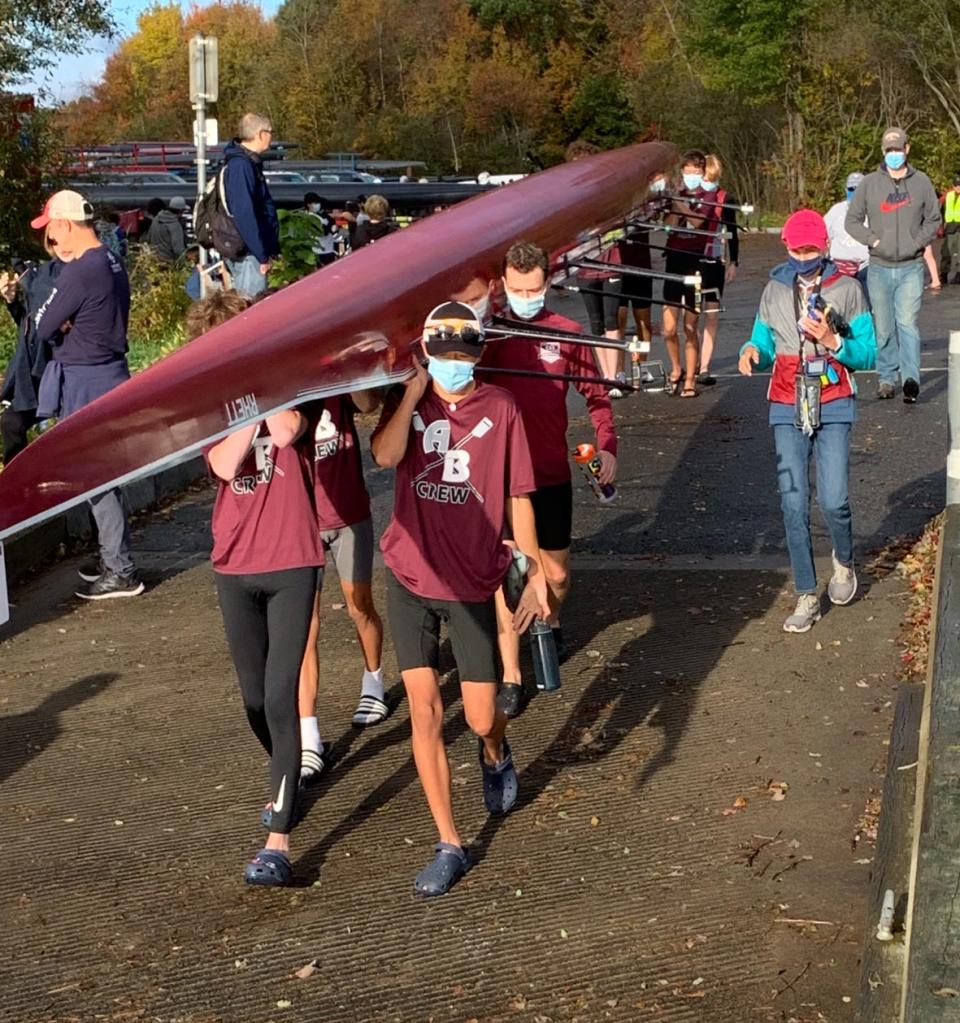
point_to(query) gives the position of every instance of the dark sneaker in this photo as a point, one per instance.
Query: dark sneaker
(911, 391)
(706, 379)
(885, 391)
(90, 571)
(510, 699)
(110, 585)
(500, 782)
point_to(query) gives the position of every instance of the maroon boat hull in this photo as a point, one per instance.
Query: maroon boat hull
(345, 327)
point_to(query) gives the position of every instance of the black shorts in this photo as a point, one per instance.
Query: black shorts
(674, 293)
(415, 625)
(638, 289)
(713, 272)
(553, 511)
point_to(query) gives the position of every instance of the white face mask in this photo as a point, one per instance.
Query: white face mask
(481, 307)
(314, 207)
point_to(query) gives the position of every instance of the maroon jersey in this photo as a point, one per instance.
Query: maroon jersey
(263, 519)
(340, 494)
(705, 205)
(463, 461)
(543, 403)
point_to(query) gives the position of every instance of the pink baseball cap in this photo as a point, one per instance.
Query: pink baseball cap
(64, 205)
(805, 227)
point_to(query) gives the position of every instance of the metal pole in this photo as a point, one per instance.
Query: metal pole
(201, 130)
(953, 409)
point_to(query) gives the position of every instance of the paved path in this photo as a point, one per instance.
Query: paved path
(627, 885)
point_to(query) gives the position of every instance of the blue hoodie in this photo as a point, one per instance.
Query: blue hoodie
(250, 202)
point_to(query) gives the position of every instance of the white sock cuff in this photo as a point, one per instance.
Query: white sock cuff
(310, 734)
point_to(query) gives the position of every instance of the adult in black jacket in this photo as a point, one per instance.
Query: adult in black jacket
(378, 226)
(24, 294)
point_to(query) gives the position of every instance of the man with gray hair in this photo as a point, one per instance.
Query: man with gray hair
(250, 204)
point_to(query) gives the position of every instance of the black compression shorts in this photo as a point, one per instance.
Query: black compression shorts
(553, 511)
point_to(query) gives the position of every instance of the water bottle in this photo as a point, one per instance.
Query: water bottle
(546, 664)
(586, 457)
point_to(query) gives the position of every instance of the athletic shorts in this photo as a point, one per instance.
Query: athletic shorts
(553, 511)
(639, 289)
(352, 550)
(675, 293)
(713, 272)
(415, 625)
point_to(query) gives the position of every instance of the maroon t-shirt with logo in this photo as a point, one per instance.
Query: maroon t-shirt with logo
(463, 461)
(543, 402)
(339, 492)
(263, 519)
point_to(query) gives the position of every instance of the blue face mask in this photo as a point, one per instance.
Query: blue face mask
(895, 159)
(850, 192)
(660, 185)
(804, 267)
(709, 186)
(691, 182)
(452, 375)
(525, 308)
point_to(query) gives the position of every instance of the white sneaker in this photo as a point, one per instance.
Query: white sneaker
(843, 583)
(806, 613)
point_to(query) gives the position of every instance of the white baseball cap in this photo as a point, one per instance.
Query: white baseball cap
(854, 179)
(64, 205)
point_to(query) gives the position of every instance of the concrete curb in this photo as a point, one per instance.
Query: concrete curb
(37, 546)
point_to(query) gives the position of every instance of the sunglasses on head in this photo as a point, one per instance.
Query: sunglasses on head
(444, 332)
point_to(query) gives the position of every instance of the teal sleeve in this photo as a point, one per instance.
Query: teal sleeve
(859, 351)
(763, 340)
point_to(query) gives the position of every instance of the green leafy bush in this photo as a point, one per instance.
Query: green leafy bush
(300, 233)
(157, 307)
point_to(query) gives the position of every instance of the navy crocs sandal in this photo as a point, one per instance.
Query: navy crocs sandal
(449, 865)
(270, 868)
(500, 784)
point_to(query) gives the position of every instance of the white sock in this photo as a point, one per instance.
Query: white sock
(372, 684)
(310, 734)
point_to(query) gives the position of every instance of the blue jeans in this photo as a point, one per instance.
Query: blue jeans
(246, 275)
(895, 294)
(831, 443)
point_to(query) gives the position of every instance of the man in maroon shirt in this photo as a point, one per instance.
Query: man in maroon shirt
(543, 406)
(464, 476)
(346, 530)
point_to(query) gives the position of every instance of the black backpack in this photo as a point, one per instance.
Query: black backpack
(213, 224)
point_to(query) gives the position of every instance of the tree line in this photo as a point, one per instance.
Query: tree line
(790, 96)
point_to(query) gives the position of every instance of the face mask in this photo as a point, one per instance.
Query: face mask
(691, 182)
(314, 207)
(709, 186)
(452, 375)
(850, 192)
(660, 185)
(804, 267)
(895, 159)
(525, 308)
(481, 307)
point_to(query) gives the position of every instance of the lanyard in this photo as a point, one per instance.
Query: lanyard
(817, 285)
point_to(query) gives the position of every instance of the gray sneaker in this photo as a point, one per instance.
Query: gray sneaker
(843, 583)
(806, 613)
(885, 390)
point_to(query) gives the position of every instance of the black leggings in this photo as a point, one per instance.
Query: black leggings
(602, 302)
(13, 430)
(266, 618)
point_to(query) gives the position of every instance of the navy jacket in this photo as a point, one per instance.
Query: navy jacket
(31, 356)
(250, 202)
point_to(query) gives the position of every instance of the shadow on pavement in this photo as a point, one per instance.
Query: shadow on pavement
(24, 736)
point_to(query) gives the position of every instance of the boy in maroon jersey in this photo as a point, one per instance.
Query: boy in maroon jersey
(346, 530)
(463, 477)
(543, 406)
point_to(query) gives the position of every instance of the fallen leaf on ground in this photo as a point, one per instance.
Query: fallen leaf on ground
(305, 972)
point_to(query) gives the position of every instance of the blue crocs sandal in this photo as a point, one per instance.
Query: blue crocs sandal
(500, 784)
(269, 868)
(449, 865)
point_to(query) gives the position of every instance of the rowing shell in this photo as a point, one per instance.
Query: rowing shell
(344, 328)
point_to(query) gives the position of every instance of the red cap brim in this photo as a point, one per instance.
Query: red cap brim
(40, 221)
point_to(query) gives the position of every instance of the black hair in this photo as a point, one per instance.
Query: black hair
(311, 197)
(697, 157)
(154, 206)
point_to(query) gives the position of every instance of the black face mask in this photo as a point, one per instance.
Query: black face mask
(805, 267)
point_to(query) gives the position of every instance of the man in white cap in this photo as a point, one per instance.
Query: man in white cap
(848, 255)
(895, 212)
(85, 319)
